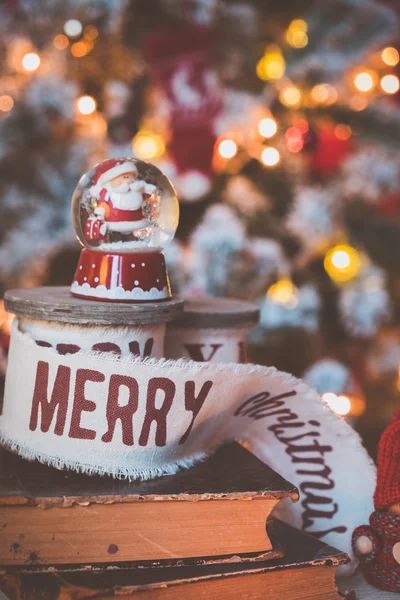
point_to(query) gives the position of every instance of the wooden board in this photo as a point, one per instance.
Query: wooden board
(58, 304)
(217, 313)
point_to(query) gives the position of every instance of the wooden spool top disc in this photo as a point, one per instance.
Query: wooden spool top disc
(58, 304)
(217, 313)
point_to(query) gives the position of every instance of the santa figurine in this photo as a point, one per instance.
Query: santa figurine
(119, 196)
(377, 545)
(125, 211)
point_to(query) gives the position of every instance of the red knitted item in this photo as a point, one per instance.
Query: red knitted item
(380, 567)
(388, 479)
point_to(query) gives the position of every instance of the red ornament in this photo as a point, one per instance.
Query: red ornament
(124, 212)
(378, 544)
(328, 153)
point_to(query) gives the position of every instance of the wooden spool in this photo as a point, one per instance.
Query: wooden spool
(57, 304)
(217, 313)
(211, 329)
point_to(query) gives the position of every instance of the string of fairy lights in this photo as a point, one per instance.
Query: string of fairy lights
(263, 142)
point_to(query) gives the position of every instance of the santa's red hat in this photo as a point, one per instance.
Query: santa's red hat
(388, 478)
(108, 170)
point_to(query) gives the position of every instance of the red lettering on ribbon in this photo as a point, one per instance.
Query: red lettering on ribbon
(82, 404)
(194, 403)
(106, 347)
(159, 415)
(59, 398)
(148, 347)
(125, 413)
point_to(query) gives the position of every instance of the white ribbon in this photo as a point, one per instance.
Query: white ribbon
(135, 417)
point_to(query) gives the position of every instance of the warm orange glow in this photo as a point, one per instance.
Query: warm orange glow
(342, 263)
(90, 32)
(390, 56)
(79, 49)
(303, 125)
(290, 96)
(284, 292)
(61, 42)
(272, 64)
(296, 34)
(148, 145)
(357, 103)
(6, 103)
(324, 93)
(342, 131)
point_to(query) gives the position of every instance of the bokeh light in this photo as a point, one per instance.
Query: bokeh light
(294, 139)
(358, 103)
(364, 81)
(284, 292)
(390, 56)
(72, 28)
(227, 148)
(148, 145)
(342, 131)
(324, 93)
(86, 105)
(296, 34)
(342, 263)
(31, 61)
(272, 65)
(6, 103)
(290, 96)
(90, 32)
(61, 42)
(341, 405)
(270, 156)
(390, 84)
(267, 127)
(79, 49)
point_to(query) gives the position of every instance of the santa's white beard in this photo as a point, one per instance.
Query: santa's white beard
(125, 199)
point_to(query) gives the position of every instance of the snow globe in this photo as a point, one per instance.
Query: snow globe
(124, 212)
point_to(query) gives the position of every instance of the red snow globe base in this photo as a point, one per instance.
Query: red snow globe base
(121, 277)
(124, 212)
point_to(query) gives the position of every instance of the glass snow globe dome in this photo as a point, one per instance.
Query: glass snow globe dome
(125, 205)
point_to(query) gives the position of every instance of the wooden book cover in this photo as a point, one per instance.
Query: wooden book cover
(305, 573)
(218, 508)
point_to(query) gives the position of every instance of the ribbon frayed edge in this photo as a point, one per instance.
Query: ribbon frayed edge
(115, 472)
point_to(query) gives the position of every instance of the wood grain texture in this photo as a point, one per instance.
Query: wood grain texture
(57, 304)
(217, 313)
(231, 473)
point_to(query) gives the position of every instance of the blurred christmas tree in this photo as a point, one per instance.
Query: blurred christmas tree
(279, 124)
